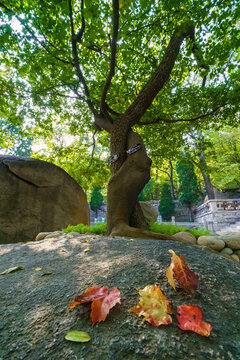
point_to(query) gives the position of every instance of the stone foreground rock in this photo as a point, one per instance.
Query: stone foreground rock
(37, 196)
(35, 317)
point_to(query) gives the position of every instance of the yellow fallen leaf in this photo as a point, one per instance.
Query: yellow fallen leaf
(77, 336)
(132, 239)
(85, 240)
(37, 268)
(87, 249)
(12, 269)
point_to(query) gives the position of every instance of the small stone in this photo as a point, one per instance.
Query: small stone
(226, 250)
(213, 242)
(237, 252)
(54, 234)
(235, 257)
(186, 236)
(41, 236)
(232, 241)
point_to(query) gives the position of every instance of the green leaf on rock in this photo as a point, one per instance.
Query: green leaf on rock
(77, 336)
(12, 269)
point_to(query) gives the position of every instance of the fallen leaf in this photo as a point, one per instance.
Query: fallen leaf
(102, 302)
(12, 269)
(77, 336)
(132, 239)
(47, 273)
(37, 269)
(87, 249)
(185, 277)
(154, 306)
(190, 318)
(92, 293)
(100, 308)
(85, 240)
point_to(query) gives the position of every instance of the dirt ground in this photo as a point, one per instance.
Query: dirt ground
(34, 316)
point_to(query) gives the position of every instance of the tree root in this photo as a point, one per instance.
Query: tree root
(129, 231)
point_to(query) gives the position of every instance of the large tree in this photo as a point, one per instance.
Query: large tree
(116, 66)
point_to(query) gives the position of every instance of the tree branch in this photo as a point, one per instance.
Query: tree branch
(159, 119)
(76, 58)
(115, 4)
(144, 99)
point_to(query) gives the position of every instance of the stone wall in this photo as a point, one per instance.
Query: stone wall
(216, 215)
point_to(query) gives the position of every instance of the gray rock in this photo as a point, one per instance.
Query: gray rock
(226, 250)
(36, 317)
(232, 241)
(186, 236)
(149, 212)
(54, 234)
(213, 242)
(37, 196)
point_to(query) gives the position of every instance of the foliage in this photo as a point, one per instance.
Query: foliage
(14, 140)
(100, 228)
(188, 191)
(96, 199)
(149, 191)
(224, 158)
(185, 277)
(166, 204)
(171, 229)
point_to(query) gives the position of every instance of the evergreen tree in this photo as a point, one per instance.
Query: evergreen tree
(166, 204)
(96, 199)
(188, 191)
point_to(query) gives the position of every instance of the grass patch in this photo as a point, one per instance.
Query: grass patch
(100, 228)
(168, 229)
(171, 229)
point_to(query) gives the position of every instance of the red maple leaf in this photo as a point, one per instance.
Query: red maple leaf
(190, 318)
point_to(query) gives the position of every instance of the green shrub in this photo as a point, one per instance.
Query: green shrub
(100, 228)
(171, 229)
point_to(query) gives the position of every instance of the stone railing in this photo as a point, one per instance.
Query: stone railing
(218, 214)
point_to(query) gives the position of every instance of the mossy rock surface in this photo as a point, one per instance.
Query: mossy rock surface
(35, 317)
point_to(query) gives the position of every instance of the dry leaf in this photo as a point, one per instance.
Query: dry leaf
(132, 239)
(12, 269)
(154, 306)
(100, 308)
(190, 318)
(37, 269)
(85, 240)
(102, 302)
(185, 277)
(77, 336)
(87, 249)
(92, 293)
(47, 273)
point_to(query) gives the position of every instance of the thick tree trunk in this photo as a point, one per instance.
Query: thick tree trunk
(124, 214)
(208, 185)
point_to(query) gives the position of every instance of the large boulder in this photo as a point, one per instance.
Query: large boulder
(149, 212)
(37, 196)
(35, 317)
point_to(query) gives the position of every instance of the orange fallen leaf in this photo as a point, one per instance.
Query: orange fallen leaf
(154, 306)
(101, 308)
(185, 277)
(102, 302)
(190, 318)
(92, 293)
